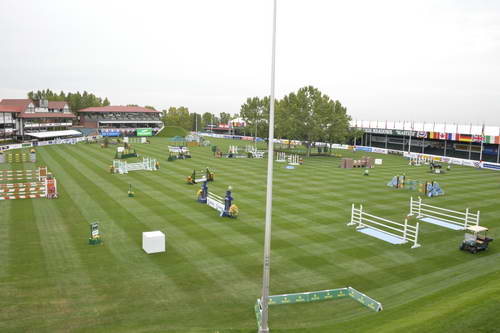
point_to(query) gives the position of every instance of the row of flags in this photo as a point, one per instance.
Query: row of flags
(464, 137)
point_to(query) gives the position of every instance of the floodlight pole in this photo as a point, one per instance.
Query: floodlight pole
(269, 194)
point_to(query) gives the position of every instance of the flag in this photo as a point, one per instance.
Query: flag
(477, 138)
(464, 138)
(442, 136)
(451, 136)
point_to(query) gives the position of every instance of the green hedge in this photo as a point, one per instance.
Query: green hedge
(171, 131)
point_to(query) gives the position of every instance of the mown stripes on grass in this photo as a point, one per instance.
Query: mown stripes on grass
(210, 276)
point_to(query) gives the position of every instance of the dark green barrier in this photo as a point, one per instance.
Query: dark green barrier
(314, 296)
(365, 300)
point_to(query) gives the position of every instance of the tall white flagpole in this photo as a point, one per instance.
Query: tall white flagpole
(269, 195)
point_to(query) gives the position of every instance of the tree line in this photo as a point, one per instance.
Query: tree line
(307, 115)
(180, 116)
(76, 101)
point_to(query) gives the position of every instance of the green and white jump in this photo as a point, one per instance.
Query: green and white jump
(315, 296)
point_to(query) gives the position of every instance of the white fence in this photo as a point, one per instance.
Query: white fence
(216, 201)
(173, 149)
(402, 231)
(122, 167)
(460, 219)
(134, 139)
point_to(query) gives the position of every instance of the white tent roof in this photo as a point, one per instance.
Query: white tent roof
(53, 134)
(427, 127)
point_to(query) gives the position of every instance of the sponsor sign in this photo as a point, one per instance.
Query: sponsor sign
(361, 148)
(379, 150)
(491, 166)
(144, 132)
(94, 230)
(415, 134)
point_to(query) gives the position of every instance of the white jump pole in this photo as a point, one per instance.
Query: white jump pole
(415, 244)
(405, 229)
(466, 222)
(352, 216)
(360, 215)
(419, 206)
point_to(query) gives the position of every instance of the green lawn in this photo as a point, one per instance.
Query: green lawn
(210, 277)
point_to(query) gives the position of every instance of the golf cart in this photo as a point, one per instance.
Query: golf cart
(475, 239)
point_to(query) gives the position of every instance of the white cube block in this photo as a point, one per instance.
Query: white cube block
(153, 242)
(378, 161)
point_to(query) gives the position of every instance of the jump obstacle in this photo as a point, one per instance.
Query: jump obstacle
(384, 229)
(223, 205)
(125, 152)
(294, 160)
(122, 167)
(420, 160)
(364, 162)
(234, 152)
(178, 153)
(44, 186)
(18, 157)
(135, 139)
(254, 152)
(451, 219)
(429, 189)
(281, 157)
(315, 296)
(208, 177)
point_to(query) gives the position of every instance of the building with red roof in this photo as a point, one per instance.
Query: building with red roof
(19, 117)
(120, 120)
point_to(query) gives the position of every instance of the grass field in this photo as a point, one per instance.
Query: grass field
(210, 277)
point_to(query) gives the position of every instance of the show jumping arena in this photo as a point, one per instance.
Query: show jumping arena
(210, 275)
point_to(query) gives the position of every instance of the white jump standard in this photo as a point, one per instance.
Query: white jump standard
(443, 217)
(281, 157)
(293, 160)
(384, 229)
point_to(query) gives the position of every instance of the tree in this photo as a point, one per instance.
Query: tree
(196, 122)
(252, 113)
(76, 101)
(177, 116)
(206, 119)
(225, 117)
(150, 107)
(307, 115)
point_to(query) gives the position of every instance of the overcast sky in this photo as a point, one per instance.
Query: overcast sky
(397, 60)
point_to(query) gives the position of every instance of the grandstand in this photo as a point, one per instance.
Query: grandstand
(120, 120)
(475, 142)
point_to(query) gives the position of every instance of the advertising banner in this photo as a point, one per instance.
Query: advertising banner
(144, 132)
(379, 150)
(491, 166)
(365, 300)
(362, 148)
